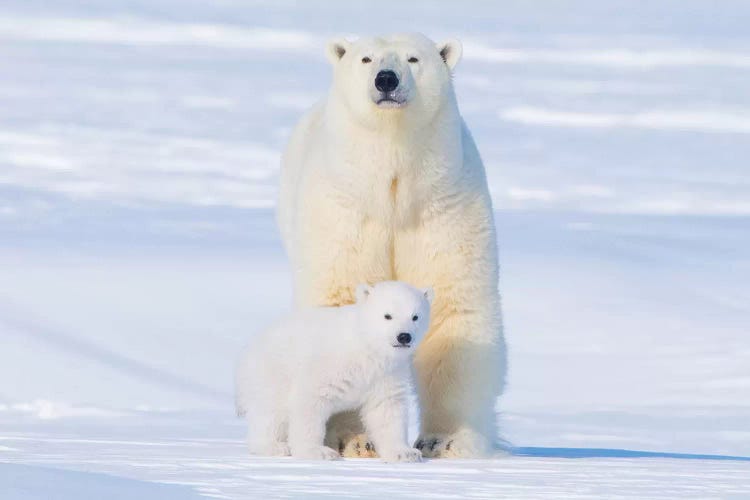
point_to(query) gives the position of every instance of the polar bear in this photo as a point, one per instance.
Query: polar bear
(330, 359)
(382, 181)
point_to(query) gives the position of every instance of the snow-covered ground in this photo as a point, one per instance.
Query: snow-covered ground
(122, 458)
(139, 145)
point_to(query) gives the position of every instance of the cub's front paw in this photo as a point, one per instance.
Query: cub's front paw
(317, 453)
(268, 448)
(402, 454)
(280, 449)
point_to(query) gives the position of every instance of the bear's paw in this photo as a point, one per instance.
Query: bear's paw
(402, 454)
(459, 445)
(357, 446)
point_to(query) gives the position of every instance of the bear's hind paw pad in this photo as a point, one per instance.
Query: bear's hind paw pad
(357, 447)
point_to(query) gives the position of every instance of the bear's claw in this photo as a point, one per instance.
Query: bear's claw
(459, 445)
(403, 454)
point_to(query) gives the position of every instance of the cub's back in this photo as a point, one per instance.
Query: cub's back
(307, 342)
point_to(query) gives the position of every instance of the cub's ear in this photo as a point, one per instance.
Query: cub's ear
(450, 51)
(336, 49)
(363, 292)
(429, 294)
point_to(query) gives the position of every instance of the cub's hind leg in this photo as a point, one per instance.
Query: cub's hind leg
(267, 433)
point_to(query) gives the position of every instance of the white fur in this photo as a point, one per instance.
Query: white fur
(375, 192)
(325, 360)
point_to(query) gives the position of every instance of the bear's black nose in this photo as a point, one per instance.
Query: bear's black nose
(404, 338)
(386, 81)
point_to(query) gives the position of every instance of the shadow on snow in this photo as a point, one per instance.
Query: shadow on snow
(535, 451)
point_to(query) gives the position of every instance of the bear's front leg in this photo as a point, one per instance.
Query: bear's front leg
(459, 378)
(461, 363)
(385, 416)
(307, 425)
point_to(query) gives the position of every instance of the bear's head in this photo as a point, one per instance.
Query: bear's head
(398, 76)
(393, 316)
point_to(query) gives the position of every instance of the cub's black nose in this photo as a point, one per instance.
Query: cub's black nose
(386, 81)
(404, 338)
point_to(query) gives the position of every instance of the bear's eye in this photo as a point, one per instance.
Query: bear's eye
(414, 318)
(413, 60)
(388, 317)
(366, 60)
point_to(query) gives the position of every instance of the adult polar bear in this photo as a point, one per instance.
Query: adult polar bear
(382, 181)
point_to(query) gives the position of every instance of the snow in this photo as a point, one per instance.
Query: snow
(139, 145)
(702, 122)
(24, 482)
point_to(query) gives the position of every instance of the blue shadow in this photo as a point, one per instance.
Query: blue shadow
(534, 451)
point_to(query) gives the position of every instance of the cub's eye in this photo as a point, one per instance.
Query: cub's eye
(388, 317)
(414, 318)
(413, 60)
(366, 60)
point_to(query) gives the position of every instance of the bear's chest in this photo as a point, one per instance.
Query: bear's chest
(390, 201)
(390, 184)
(391, 192)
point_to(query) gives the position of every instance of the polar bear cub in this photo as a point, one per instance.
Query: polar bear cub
(324, 360)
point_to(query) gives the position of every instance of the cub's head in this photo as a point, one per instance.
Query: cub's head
(393, 316)
(398, 76)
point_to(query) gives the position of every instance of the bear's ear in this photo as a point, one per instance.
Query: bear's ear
(336, 49)
(450, 51)
(429, 294)
(363, 292)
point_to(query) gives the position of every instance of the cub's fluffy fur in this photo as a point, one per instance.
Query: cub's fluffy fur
(324, 360)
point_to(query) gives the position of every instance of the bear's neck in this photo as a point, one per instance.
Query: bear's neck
(391, 173)
(395, 130)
